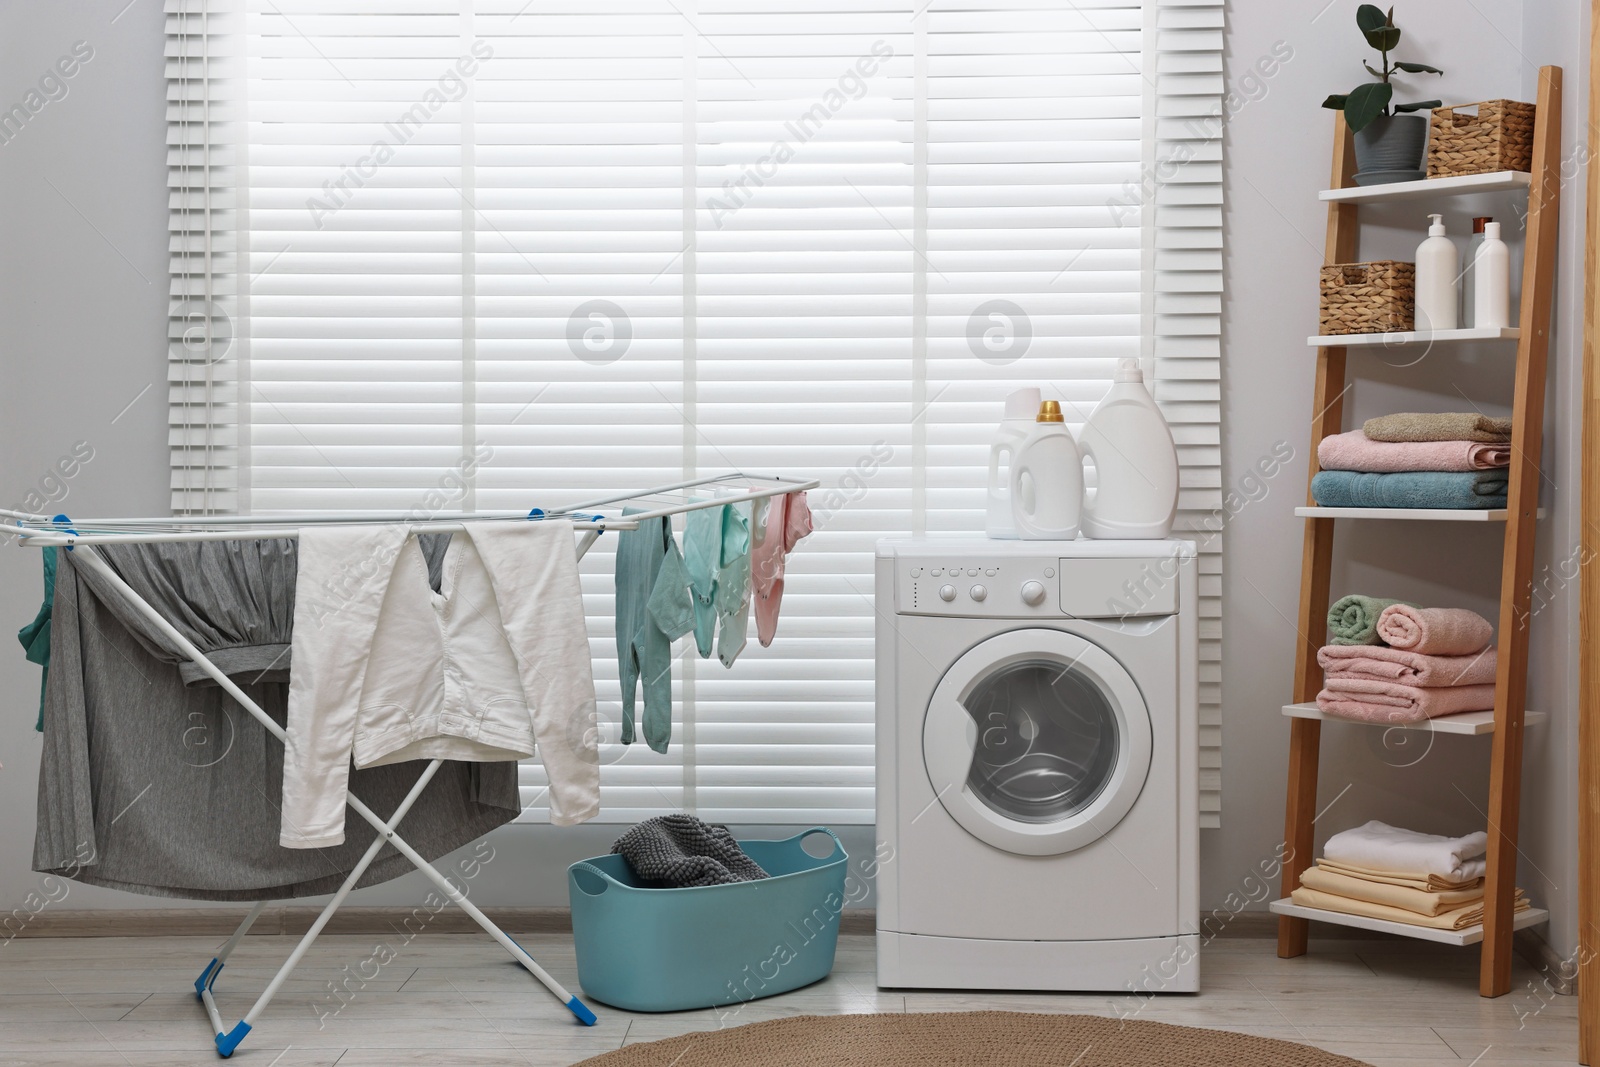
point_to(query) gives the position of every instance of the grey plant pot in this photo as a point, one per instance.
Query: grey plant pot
(1391, 148)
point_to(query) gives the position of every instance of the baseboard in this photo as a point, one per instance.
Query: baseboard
(1559, 972)
(291, 919)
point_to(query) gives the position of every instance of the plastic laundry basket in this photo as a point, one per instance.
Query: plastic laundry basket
(644, 949)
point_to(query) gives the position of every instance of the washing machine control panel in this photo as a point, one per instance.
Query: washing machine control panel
(1029, 587)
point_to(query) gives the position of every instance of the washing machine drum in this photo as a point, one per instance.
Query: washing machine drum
(1037, 742)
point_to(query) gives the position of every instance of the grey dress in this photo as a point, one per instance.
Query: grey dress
(155, 781)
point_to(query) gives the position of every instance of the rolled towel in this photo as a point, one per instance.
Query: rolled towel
(1434, 631)
(1354, 618)
(1405, 666)
(1372, 700)
(1461, 490)
(1449, 426)
(1355, 451)
(1392, 848)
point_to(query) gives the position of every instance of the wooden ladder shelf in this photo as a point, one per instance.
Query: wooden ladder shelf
(1516, 579)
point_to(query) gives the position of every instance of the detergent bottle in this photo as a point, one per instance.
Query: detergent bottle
(1047, 480)
(1135, 462)
(1021, 408)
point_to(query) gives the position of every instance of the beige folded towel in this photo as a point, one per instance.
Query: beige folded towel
(1423, 902)
(1472, 872)
(1355, 451)
(1434, 631)
(1407, 667)
(1450, 426)
(1455, 919)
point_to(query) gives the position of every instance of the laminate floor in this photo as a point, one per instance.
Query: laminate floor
(449, 999)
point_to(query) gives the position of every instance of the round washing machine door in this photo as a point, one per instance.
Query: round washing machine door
(1037, 742)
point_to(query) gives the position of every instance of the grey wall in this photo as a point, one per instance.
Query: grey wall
(81, 337)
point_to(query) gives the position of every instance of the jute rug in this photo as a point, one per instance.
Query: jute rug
(967, 1039)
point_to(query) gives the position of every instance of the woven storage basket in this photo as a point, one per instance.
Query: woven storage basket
(1376, 297)
(1498, 137)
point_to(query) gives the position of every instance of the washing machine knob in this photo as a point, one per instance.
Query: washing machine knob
(947, 593)
(978, 592)
(1032, 593)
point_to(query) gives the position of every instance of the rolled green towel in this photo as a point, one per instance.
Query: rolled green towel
(1354, 619)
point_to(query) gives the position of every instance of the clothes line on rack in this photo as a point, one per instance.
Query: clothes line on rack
(657, 504)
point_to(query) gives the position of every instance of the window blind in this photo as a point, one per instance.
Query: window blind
(445, 254)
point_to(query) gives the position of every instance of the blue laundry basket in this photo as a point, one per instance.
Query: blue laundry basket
(644, 949)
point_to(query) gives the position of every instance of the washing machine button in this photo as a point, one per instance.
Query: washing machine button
(1049, 572)
(991, 572)
(937, 572)
(978, 593)
(916, 572)
(947, 593)
(1032, 593)
(972, 572)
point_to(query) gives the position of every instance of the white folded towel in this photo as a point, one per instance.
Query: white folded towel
(1390, 848)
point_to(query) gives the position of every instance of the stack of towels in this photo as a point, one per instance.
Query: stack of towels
(1394, 662)
(1453, 460)
(1383, 872)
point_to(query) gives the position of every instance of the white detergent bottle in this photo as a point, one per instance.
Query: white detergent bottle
(1135, 462)
(1437, 269)
(1491, 279)
(1047, 463)
(1021, 408)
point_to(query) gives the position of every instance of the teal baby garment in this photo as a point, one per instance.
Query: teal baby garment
(702, 558)
(733, 584)
(644, 650)
(35, 637)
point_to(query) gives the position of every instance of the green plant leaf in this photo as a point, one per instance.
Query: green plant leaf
(1417, 68)
(1335, 102)
(1420, 105)
(1366, 102)
(1370, 17)
(1376, 73)
(1384, 39)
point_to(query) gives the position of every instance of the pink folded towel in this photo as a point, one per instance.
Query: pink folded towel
(1380, 663)
(1355, 451)
(1372, 700)
(1434, 631)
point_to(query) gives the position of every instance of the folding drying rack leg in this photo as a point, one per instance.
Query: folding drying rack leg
(228, 1040)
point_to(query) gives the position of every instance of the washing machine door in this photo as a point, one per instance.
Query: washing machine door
(1037, 742)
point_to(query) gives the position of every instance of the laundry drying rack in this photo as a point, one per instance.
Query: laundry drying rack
(589, 519)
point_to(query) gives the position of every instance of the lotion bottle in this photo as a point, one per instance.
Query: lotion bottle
(1468, 314)
(1491, 279)
(1438, 302)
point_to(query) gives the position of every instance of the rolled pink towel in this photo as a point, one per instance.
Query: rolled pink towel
(1355, 451)
(1434, 631)
(1372, 700)
(1381, 663)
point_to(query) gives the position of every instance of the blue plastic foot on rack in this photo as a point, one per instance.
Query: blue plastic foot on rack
(581, 1010)
(205, 979)
(229, 1041)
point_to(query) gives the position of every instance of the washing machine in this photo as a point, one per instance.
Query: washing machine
(1037, 765)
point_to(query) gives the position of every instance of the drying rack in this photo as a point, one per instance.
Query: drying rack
(588, 519)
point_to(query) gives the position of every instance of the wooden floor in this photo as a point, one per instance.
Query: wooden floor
(458, 1000)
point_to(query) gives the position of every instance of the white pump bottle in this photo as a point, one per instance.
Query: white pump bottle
(1438, 267)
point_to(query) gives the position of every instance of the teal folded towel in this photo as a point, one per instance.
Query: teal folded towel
(1411, 489)
(1353, 619)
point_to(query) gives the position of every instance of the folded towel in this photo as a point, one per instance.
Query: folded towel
(1451, 426)
(1421, 901)
(1455, 919)
(1374, 700)
(1462, 490)
(1355, 451)
(1381, 663)
(1472, 872)
(1392, 848)
(1354, 618)
(1434, 631)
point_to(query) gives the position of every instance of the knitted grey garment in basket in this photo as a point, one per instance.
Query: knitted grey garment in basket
(677, 851)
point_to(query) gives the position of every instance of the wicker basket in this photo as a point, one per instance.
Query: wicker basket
(1498, 137)
(1376, 297)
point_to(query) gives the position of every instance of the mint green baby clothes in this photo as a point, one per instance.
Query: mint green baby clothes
(733, 583)
(702, 558)
(644, 650)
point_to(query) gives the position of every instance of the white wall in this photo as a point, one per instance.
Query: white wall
(83, 270)
(1277, 157)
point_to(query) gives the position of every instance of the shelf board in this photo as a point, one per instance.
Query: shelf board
(1429, 514)
(1413, 337)
(1470, 936)
(1497, 182)
(1469, 723)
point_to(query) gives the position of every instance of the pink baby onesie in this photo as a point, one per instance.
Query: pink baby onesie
(788, 520)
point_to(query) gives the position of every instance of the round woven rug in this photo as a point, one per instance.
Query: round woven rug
(967, 1039)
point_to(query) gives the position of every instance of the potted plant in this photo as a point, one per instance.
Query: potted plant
(1389, 139)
